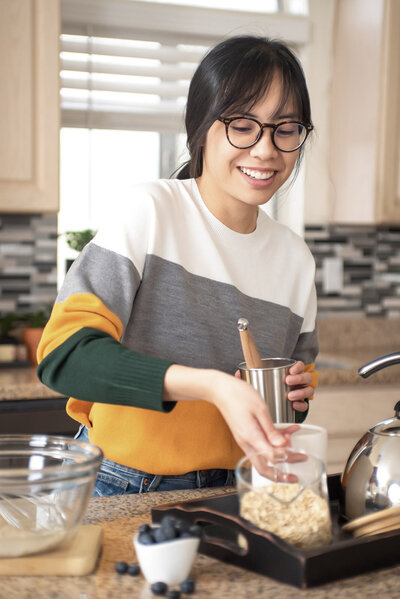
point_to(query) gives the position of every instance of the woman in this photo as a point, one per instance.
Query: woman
(143, 333)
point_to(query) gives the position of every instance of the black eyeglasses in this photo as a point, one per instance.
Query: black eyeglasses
(243, 133)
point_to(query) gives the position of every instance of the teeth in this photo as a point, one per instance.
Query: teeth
(256, 174)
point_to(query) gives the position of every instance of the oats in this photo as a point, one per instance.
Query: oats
(296, 514)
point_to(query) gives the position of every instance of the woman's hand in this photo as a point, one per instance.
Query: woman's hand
(248, 416)
(241, 406)
(299, 381)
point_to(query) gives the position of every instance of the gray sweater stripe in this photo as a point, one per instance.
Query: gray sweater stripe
(182, 317)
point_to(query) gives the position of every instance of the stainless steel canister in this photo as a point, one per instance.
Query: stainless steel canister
(270, 383)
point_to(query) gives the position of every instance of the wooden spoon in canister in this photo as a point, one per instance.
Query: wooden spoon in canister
(250, 351)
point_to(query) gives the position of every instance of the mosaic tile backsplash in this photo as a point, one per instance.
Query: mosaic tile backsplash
(358, 270)
(358, 267)
(28, 262)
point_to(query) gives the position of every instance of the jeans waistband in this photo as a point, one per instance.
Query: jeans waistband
(199, 477)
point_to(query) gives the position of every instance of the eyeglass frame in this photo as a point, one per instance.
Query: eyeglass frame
(227, 121)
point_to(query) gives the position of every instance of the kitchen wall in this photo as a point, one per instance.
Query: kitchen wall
(28, 262)
(358, 267)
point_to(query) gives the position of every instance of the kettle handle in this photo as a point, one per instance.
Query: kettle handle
(379, 363)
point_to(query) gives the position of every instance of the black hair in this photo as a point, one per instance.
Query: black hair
(234, 75)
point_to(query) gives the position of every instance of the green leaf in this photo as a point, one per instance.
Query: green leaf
(77, 240)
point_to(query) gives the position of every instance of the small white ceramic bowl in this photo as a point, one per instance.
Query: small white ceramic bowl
(169, 562)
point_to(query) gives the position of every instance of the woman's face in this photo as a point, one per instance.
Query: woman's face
(235, 182)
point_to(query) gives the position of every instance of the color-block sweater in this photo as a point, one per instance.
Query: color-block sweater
(165, 282)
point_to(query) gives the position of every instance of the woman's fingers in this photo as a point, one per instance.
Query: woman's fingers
(247, 415)
(302, 381)
(300, 388)
(300, 393)
(276, 437)
(300, 406)
(297, 375)
(269, 464)
(297, 368)
(288, 430)
(252, 436)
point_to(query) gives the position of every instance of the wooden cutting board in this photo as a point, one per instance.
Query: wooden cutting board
(383, 526)
(390, 512)
(76, 558)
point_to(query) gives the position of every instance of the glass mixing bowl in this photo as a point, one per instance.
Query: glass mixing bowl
(45, 486)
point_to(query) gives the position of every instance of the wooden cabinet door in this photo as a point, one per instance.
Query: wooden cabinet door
(364, 157)
(29, 105)
(388, 168)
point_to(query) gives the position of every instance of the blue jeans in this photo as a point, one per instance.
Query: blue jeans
(115, 479)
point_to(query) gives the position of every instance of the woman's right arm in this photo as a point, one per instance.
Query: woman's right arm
(242, 407)
(90, 363)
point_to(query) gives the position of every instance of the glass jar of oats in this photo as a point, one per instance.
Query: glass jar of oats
(285, 492)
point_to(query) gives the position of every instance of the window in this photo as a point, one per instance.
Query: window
(136, 84)
(101, 165)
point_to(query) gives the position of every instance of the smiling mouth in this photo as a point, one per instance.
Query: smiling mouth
(255, 174)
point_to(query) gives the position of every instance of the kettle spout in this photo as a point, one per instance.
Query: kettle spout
(378, 364)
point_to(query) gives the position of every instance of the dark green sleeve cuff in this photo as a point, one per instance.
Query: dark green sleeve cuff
(92, 366)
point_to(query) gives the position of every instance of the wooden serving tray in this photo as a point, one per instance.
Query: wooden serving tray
(269, 555)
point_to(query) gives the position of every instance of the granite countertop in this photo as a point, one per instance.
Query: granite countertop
(23, 383)
(341, 368)
(346, 344)
(121, 516)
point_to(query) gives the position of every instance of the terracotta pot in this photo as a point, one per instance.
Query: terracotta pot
(31, 338)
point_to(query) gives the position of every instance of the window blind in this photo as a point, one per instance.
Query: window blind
(125, 84)
(128, 65)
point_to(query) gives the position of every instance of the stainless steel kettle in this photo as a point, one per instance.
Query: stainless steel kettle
(371, 478)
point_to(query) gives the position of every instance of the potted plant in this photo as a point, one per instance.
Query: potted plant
(77, 240)
(7, 323)
(32, 332)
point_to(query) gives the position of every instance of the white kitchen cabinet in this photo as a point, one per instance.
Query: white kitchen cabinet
(347, 412)
(365, 118)
(29, 105)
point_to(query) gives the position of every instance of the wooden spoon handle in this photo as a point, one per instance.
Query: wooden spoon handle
(249, 348)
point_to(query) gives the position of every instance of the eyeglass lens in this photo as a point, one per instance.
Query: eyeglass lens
(243, 133)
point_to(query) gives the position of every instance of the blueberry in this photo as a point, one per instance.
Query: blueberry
(186, 535)
(174, 594)
(133, 570)
(181, 526)
(168, 521)
(121, 567)
(159, 588)
(146, 538)
(159, 535)
(169, 531)
(144, 528)
(187, 586)
(195, 530)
